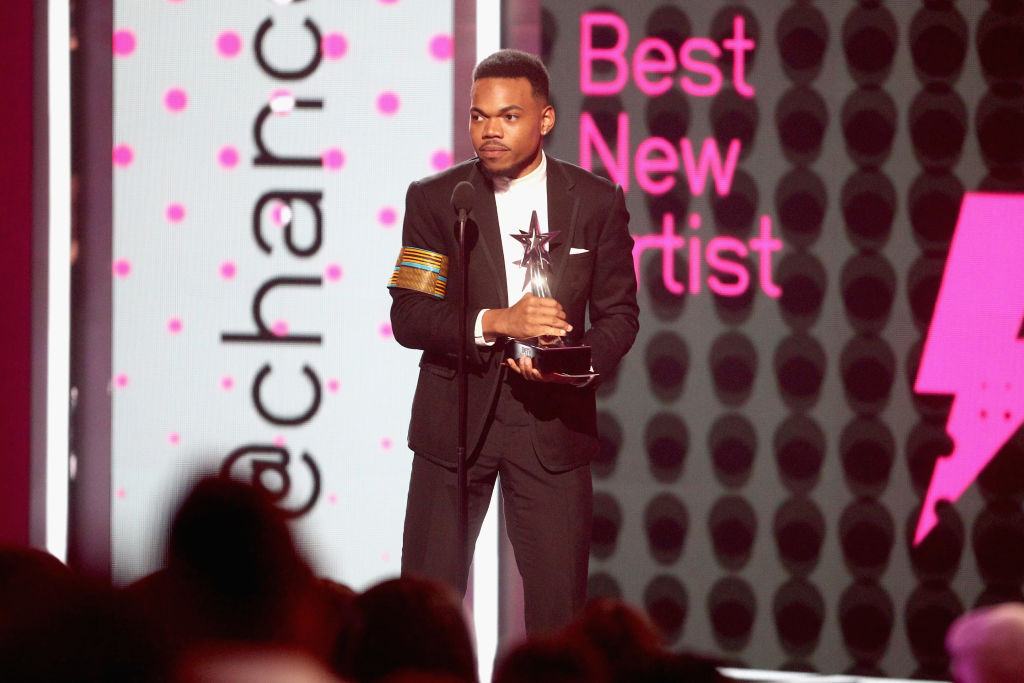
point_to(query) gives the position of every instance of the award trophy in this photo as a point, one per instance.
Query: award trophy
(549, 353)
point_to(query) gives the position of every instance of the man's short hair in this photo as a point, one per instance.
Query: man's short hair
(515, 64)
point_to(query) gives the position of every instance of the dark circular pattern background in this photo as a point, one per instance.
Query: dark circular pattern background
(733, 608)
(870, 37)
(610, 433)
(868, 369)
(800, 203)
(799, 531)
(869, 206)
(668, 361)
(666, 524)
(799, 452)
(874, 137)
(803, 281)
(934, 204)
(938, 43)
(667, 440)
(732, 442)
(868, 450)
(733, 364)
(799, 612)
(802, 37)
(868, 285)
(866, 618)
(867, 535)
(732, 526)
(938, 126)
(607, 525)
(799, 370)
(801, 118)
(665, 601)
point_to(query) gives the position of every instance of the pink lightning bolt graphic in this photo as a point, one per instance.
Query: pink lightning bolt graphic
(973, 350)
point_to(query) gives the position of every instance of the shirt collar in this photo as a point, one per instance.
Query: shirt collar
(531, 179)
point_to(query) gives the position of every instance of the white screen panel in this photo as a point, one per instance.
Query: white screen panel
(205, 220)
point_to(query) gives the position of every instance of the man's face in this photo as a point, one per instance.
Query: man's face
(506, 123)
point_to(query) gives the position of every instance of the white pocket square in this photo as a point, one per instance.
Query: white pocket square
(577, 250)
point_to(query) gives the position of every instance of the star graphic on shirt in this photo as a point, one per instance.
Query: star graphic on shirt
(535, 257)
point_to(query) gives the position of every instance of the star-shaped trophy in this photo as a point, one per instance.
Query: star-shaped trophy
(550, 354)
(536, 261)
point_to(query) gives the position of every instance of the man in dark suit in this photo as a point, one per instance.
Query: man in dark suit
(536, 430)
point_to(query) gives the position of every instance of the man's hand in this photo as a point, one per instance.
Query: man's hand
(523, 366)
(529, 317)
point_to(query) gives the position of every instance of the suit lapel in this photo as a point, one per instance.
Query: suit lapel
(563, 209)
(485, 214)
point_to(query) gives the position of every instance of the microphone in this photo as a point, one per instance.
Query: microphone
(462, 199)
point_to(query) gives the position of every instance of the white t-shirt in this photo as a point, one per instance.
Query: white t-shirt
(516, 200)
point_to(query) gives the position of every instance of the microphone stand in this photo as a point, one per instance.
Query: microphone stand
(462, 493)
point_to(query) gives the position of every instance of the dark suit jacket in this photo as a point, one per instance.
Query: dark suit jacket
(590, 213)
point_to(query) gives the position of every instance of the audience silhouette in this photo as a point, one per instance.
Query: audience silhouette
(236, 601)
(410, 624)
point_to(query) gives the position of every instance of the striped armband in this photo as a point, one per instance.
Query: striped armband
(421, 270)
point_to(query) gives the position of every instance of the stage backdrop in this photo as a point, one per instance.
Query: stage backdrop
(795, 172)
(261, 155)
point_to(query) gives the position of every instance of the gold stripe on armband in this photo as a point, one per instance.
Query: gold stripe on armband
(421, 270)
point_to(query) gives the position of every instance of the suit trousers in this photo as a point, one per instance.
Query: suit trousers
(548, 517)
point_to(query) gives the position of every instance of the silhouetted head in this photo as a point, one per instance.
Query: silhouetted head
(551, 659)
(232, 562)
(56, 626)
(986, 645)
(632, 649)
(614, 626)
(410, 624)
(33, 583)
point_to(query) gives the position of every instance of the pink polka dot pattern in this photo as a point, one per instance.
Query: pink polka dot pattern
(387, 217)
(334, 45)
(279, 440)
(227, 157)
(279, 328)
(333, 159)
(387, 103)
(121, 381)
(385, 330)
(333, 272)
(333, 385)
(227, 382)
(229, 44)
(175, 99)
(228, 269)
(175, 212)
(441, 159)
(332, 498)
(123, 155)
(174, 438)
(121, 493)
(282, 102)
(386, 443)
(442, 47)
(280, 213)
(124, 42)
(174, 325)
(122, 268)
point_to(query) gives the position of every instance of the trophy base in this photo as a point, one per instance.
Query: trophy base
(565, 360)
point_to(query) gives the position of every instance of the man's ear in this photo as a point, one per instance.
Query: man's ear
(547, 120)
